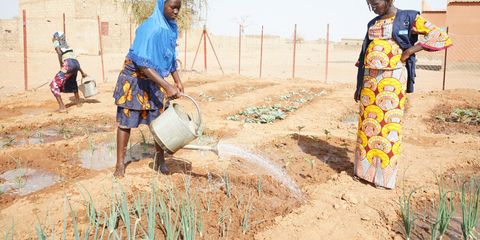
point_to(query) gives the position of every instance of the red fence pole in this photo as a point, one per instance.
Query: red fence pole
(326, 54)
(205, 47)
(261, 53)
(101, 46)
(239, 47)
(25, 57)
(185, 54)
(294, 50)
(445, 67)
(64, 28)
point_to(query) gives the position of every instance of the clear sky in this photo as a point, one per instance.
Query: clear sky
(8, 9)
(347, 18)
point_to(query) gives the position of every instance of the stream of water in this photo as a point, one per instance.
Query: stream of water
(226, 150)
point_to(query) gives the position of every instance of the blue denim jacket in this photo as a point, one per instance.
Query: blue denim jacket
(403, 36)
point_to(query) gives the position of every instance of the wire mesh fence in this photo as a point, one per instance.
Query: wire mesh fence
(270, 56)
(258, 55)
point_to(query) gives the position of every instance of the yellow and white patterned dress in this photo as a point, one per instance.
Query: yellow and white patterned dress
(382, 100)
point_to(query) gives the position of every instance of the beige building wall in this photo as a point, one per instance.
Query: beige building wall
(9, 35)
(463, 21)
(439, 18)
(44, 17)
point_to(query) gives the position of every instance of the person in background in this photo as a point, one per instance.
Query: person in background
(386, 72)
(141, 93)
(66, 79)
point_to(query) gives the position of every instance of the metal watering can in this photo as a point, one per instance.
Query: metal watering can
(175, 128)
(89, 87)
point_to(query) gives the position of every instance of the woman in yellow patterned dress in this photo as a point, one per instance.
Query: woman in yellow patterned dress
(386, 73)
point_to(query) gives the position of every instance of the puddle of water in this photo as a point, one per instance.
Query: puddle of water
(34, 111)
(24, 181)
(99, 157)
(103, 156)
(42, 136)
(227, 150)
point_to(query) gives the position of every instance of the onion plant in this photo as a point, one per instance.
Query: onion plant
(408, 217)
(39, 230)
(151, 213)
(259, 185)
(246, 216)
(125, 213)
(228, 187)
(445, 211)
(470, 203)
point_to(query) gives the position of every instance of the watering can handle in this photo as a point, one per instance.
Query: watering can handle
(199, 122)
(81, 81)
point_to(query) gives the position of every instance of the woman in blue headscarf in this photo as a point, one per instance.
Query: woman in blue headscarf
(142, 92)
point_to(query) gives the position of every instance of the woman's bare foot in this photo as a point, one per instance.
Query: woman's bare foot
(62, 110)
(119, 171)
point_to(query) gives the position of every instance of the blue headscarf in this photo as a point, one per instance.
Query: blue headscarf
(155, 42)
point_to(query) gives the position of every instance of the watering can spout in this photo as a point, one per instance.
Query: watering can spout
(202, 148)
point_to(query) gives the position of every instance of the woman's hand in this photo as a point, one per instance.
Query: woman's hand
(179, 86)
(405, 55)
(178, 82)
(173, 92)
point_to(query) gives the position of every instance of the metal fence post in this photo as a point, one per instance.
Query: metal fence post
(64, 28)
(205, 47)
(239, 47)
(294, 50)
(326, 54)
(185, 53)
(261, 53)
(101, 46)
(25, 57)
(445, 66)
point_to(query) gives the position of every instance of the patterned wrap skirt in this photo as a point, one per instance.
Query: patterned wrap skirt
(138, 99)
(66, 79)
(382, 102)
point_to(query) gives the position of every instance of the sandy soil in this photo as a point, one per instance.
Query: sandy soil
(314, 145)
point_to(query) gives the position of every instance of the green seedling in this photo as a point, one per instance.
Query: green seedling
(289, 159)
(66, 133)
(208, 202)
(311, 162)
(470, 200)
(138, 206)
(125, 213)
(228, 187)
(445, 211)
(406, 211)
(239, 200)
(259, 185)
(39, 230)
(200, 225)
(169, 216)
(327, 134)
(246, 216)
(223, 220)
(76, 232)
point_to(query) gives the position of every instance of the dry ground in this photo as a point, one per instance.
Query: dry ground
(318, 157)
